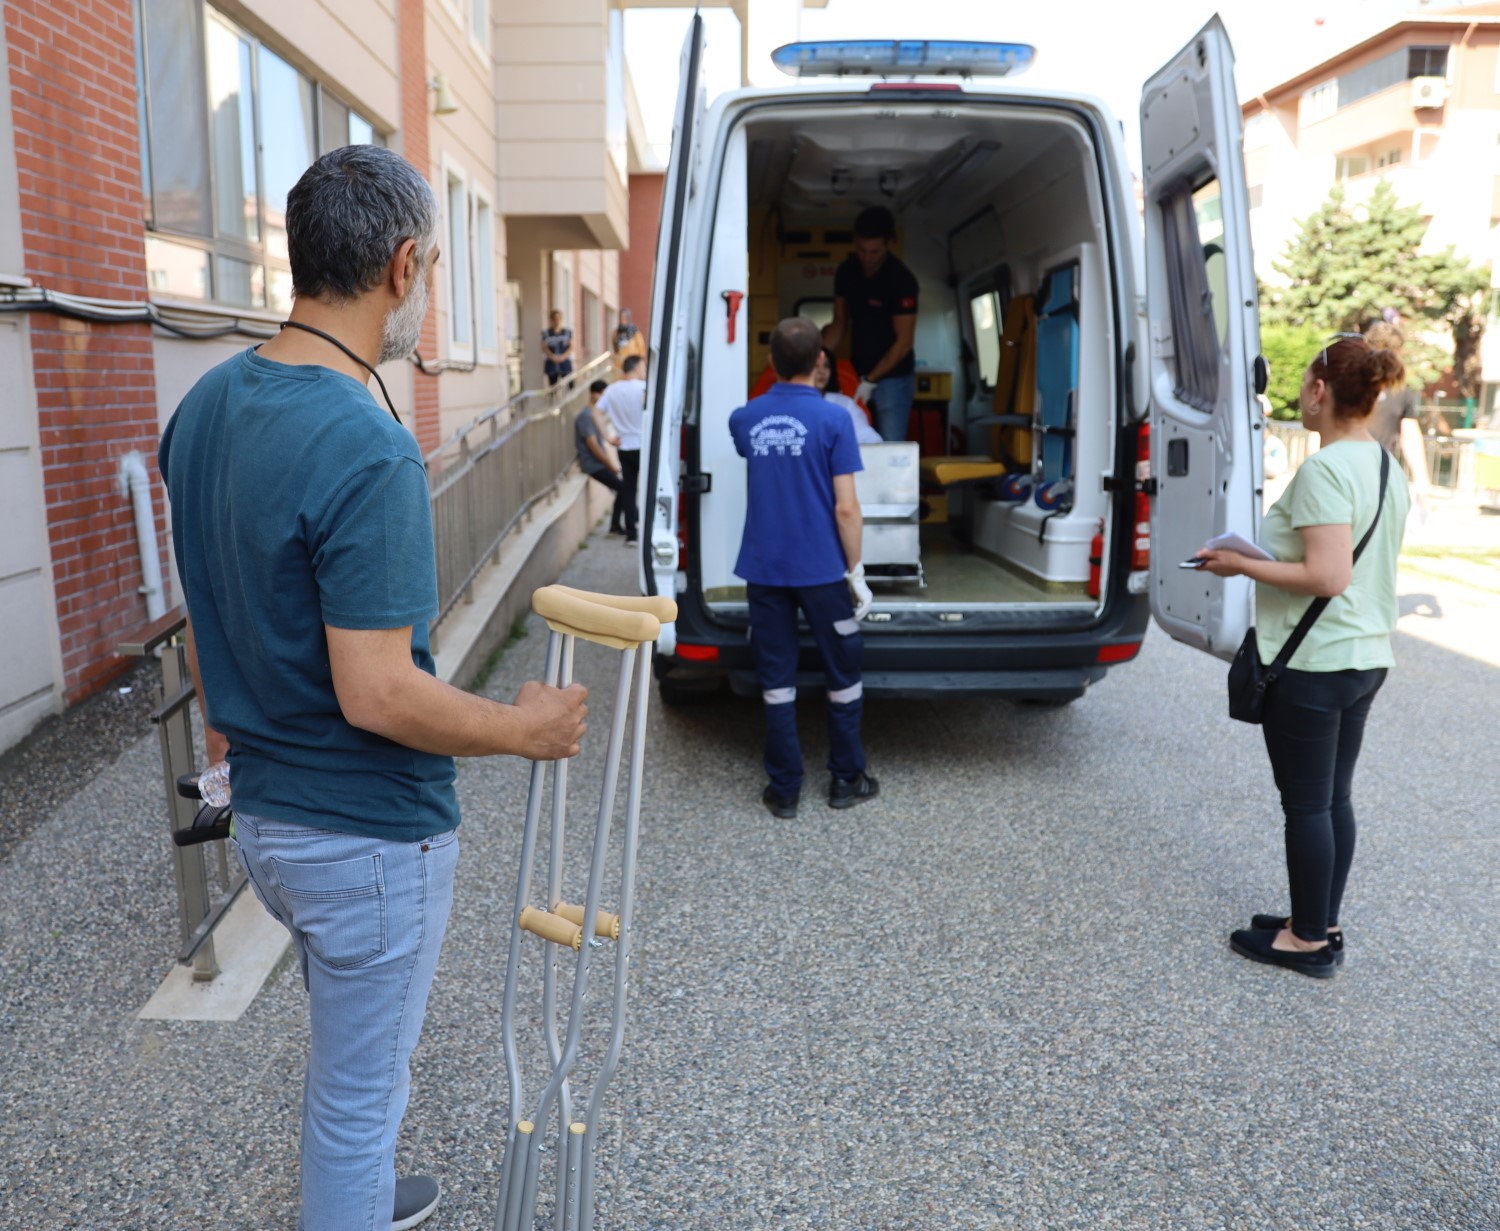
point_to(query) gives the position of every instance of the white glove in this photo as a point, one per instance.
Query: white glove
(864, 391)
(859, 592)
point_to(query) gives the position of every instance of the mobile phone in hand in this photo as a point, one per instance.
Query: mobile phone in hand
(1193, 563)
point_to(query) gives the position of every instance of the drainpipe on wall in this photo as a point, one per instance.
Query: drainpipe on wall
(137, 482)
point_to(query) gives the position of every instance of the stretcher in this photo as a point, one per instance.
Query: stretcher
(560, 926)
(1057, 386)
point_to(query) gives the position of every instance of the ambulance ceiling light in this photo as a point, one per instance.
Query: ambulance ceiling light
(887, 57)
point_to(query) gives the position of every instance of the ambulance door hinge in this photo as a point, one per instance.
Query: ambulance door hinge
(697, 484)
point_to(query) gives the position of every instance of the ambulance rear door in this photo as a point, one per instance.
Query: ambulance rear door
(1205, 364)
(671, 342)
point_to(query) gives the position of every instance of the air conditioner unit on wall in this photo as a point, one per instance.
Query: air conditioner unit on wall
(1428, 92)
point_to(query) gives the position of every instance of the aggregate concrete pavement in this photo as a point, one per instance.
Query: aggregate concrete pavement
(1000, 996)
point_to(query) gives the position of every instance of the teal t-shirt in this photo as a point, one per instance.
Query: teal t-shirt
(298, 502)
(1337, 485)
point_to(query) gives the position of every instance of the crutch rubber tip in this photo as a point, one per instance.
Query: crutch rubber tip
(526, 1127)
(578, 1128)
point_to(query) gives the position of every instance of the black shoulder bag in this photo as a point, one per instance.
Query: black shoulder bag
(1248, 680)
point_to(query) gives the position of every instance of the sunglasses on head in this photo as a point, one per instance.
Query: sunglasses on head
(1337, 337)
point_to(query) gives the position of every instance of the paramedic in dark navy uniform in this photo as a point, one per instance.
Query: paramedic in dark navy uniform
(801, 550)
(875, 297)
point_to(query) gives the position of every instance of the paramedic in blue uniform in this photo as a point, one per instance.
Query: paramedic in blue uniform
(875, 298)
(801, 551)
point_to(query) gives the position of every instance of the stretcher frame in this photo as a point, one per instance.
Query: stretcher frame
(630, 625)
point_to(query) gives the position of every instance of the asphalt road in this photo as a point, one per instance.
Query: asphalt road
(1000, 996)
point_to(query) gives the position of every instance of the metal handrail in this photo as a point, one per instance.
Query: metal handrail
(488, 477)
(199, 908)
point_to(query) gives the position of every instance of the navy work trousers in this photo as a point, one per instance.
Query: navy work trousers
(1314, 725)
(773, 642)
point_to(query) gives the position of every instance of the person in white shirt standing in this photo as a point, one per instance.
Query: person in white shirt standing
(625, 404)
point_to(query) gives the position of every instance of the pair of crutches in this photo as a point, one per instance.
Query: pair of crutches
(630, 625)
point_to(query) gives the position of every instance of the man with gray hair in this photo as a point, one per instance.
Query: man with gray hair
(302, 529)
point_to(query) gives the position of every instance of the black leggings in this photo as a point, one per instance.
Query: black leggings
(1314, 725)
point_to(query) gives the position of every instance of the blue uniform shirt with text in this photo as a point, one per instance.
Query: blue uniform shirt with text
(794, 443)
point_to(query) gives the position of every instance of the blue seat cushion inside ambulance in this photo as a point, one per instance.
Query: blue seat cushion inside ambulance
(1057, 370)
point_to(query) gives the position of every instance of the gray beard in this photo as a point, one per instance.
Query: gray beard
(402, 328)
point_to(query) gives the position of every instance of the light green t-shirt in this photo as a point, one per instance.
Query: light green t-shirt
(1337, 485)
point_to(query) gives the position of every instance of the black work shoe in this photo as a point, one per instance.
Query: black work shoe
(1277, 922)
(416, 1199)
(846, 792)
(783, 809)
(1257, 945)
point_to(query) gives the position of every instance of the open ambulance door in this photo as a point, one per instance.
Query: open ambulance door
(671, 349)
(1205, 364)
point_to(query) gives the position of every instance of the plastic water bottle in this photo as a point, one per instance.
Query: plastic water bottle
(213, 784)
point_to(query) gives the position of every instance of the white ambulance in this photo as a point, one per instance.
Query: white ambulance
(1085, 414)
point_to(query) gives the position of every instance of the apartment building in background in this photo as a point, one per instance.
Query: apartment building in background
(1416, 104)
(146, 151)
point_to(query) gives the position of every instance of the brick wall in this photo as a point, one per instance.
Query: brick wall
(637, 262)
(411, 19)
(73, 103)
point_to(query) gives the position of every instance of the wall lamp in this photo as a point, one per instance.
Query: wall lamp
(444, 103)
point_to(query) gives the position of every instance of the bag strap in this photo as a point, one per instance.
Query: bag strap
(1316, 608)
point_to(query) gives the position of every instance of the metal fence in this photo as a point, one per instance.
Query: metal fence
(1449, 460)
(488, 476)
(207, 883)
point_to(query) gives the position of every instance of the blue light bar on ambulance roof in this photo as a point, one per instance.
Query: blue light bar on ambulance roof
(888, 57)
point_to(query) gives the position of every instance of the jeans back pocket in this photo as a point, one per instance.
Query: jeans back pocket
(339, 907)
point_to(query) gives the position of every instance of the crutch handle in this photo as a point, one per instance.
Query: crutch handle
(574, 616)
(605, 924)
(659, 605)
(552, 927)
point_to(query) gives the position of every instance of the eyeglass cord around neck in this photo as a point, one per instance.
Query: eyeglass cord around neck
(328, 337)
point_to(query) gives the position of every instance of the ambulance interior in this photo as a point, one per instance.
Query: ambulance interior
(995, 500)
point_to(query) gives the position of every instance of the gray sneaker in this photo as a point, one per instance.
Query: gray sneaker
(416, 1200)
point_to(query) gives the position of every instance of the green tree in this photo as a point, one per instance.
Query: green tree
(1288, 350)
(1459, 296)
(1347, 266)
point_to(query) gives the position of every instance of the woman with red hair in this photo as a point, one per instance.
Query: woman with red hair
(1315, 712)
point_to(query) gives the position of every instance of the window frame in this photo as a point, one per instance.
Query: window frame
(986, 290)
(459, 268)
(486, 342)
(217, 245)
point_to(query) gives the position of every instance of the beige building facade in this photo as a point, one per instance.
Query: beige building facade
(146, 150)
(1416, 105)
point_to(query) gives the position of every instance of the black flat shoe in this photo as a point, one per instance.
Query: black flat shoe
(845, 793)
(1277, 922)
(782, 809)
(1258, 945)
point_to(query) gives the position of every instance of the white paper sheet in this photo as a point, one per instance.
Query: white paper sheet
(1233, 542)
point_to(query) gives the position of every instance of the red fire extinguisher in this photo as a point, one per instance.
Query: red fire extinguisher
(1096, 559)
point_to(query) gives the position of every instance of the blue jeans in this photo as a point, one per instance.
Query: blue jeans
(367, 916)
(891, 404)
(774, 646)
(1314, 726)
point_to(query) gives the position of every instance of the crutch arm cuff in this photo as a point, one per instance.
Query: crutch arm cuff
(659, 605)
(573, 616)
